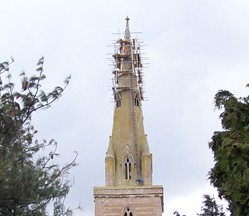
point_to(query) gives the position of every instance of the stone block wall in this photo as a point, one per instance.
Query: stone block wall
(142, 201)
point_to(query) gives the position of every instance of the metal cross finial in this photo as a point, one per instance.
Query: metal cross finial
(127, 35)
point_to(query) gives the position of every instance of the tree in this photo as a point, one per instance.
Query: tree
(176, 213)
(210, 207)
(28, 182)
(230, 174)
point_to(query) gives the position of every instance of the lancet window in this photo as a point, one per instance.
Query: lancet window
(117, 99)
(136, 100)
(127, 168)
(118, 103)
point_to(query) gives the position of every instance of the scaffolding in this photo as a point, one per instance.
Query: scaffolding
(129, 53)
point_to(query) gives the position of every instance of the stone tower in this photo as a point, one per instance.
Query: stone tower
(128, 189)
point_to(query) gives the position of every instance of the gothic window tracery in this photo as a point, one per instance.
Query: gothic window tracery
(128, 211)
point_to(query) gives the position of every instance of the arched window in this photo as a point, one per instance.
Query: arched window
(118, 102)
(136, 100)
(128, 211)
(117, 98)
(127, 168)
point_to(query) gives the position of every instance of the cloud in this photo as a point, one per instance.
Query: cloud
(194, 49)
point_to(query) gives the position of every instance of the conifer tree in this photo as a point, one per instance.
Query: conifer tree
(210, 207)
(230, 174)
(176, 213)
(28, 181)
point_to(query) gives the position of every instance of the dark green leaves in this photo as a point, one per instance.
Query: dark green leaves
(67, 80)
(221, 97)
(28, 181)
(210, 207)
(41, 61)
(230, 173)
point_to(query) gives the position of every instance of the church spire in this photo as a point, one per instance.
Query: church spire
(128, 159)
(127, 35)
(128, 189)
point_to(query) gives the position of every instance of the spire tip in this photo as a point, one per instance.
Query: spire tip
(127, 29)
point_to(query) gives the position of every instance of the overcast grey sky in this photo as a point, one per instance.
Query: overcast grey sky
(194, 47)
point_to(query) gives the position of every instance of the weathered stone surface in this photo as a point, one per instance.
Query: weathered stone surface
(128, 190)
(142, 201)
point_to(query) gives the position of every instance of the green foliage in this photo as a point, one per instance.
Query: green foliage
(176, 213)
(230, 147)
(210, 207)
(28, 182)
